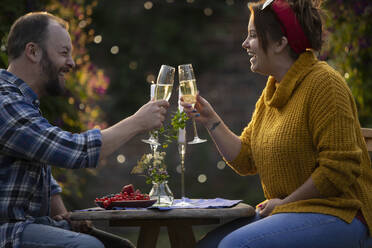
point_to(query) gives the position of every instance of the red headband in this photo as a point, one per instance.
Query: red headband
(290, 26)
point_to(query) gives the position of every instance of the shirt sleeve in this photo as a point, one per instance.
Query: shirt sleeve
(26, 134)
(54, 186)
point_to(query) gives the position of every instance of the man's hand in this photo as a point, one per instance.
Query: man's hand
(267, 207)
(84, 226)
(151, 115)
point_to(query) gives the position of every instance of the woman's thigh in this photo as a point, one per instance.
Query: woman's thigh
(305, 230)
(214, 237)
(52, 234)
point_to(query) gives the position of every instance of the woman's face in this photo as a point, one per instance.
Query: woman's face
(260, 61)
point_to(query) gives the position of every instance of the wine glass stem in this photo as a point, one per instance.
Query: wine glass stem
(182, 177)
(195, 130)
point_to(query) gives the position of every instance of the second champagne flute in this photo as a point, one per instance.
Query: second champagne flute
(189, 91)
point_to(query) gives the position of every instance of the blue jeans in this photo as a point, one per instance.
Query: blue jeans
(289, 230)
(48, 233)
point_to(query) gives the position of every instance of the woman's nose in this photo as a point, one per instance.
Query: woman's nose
(245, 43)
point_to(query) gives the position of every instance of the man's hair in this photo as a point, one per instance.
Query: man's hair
(31, 27)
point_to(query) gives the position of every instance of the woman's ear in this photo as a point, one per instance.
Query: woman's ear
(33, 52)
(281, 44)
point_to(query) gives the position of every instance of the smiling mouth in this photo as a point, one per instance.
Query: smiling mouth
(63, 72)
(250, 54)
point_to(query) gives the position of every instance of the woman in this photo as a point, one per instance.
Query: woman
(304, 140)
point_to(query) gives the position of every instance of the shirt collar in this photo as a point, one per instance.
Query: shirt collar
(278, 96)
(22, 86)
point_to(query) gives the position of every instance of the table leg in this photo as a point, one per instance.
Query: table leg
(148, 236)
(181, 236)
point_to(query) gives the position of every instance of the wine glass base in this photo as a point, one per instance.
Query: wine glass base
(183, 203)
(151, 142)
(197, 140)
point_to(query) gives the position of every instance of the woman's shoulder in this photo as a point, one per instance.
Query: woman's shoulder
(324, 74)
(327, 89)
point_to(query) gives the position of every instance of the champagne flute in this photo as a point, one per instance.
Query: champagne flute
(189, 91)
(152, 140)
(163, 90)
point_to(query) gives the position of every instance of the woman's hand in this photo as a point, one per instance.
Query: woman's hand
(202, 112)
(267, 207)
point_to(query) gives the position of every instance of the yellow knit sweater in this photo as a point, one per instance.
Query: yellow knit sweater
(306, 126)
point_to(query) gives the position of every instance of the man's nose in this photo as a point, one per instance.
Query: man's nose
(71, 62)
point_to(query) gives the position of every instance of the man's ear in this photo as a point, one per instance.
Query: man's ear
(281, 44)
(33, 52)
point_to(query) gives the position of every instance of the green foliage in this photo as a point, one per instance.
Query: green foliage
(170, 133)
(350, 50)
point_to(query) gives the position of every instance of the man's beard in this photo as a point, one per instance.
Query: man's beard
(52, 84)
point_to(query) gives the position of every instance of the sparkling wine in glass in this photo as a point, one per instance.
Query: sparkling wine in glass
(189, 91)
(163, 91)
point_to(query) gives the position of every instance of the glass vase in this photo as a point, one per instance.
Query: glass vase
(162, 194)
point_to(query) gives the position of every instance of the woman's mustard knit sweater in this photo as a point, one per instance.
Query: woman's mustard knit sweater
(307, 126)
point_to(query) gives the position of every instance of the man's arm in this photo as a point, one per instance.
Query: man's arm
(57, 207)
(148, 117)
(59, 212)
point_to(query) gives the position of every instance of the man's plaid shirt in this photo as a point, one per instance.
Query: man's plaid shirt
(28, 146)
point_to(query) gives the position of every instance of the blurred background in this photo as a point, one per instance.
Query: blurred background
(119, 46)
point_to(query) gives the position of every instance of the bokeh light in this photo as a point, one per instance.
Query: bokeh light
(71, 100)
(114, 50)
(82, 24)
(150, 78)
(202, 178)
(221, 165)
(97, 39)
(208, 11)
(148, 5)
(121, 159)
(229, 2)
(133, 65)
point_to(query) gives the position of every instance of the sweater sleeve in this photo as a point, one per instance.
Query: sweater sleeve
(243, 164)
(333, 125)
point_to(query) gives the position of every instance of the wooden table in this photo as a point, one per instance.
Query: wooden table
(178, 221)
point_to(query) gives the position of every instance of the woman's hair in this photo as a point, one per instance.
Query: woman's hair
(31, 27)
(268, 26)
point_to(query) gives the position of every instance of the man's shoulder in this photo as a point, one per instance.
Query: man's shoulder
(9, 91)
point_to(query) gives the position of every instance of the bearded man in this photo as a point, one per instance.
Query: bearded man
(32, 213)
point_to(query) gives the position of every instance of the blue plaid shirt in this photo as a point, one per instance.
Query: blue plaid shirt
(28, 146)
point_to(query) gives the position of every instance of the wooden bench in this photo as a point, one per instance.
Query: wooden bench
(367, 134)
